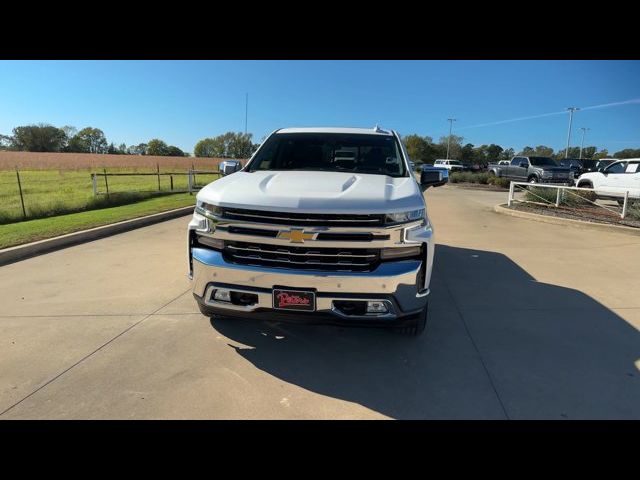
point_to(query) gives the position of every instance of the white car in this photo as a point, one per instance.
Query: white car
(619, 177)
(451, 165)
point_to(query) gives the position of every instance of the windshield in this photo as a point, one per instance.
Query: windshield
(542, 161)
(331, 152)
(454, 162)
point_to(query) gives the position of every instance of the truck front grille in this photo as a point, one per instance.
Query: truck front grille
(311, 258)
(302, 219)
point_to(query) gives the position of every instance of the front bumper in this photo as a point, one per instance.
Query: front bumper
(563, 181)
(396, 283)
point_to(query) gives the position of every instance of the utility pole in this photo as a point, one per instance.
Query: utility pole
(450, 120)
(571, 110)
(584, 129)
(246, 112)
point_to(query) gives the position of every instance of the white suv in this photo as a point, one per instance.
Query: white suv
(451, 165)
(618, 178)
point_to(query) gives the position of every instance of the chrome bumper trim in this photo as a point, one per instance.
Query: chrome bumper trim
(390, 278)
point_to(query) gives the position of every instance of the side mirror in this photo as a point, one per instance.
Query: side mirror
(228, 167)
(432, 178)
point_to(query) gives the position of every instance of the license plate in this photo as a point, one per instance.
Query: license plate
(301, 300)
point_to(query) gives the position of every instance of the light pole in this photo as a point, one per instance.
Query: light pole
(450, 120)
(571, 110)
(584, 129)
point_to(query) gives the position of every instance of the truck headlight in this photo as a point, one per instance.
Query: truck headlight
(404, 217)
(208, 209)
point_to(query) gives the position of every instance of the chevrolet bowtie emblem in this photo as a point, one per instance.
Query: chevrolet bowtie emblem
(296, 235)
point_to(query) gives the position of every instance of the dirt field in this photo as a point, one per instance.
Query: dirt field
(82, 161)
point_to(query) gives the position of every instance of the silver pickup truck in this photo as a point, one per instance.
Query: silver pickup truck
(532, 170)
(305, 231)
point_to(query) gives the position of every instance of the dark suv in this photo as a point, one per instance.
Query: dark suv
(579, 166)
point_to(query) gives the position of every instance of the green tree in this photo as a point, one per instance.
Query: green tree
(455, 147)
(468, 153)
(89, 140)
(628, 153)
(157, 147)
(227, 145)
(6, 141)
(209, 147)
(507, 154)
(175, 152)
(39, 138)
(140, 149)
(604, 153)
(539, 151)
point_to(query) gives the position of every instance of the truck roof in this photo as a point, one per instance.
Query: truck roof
(357, 131)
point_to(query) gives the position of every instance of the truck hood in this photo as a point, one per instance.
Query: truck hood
(314, 192)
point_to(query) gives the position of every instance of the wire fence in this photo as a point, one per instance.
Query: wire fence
(577, 200)
(30, 194)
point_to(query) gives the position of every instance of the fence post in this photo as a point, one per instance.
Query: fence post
(158, 170)
(24, 212)
(189, 181)
(194, 175)
(560, 190)
(510, 201)
(94, 182)
(106, 183)
(624, 205)
(171, 177)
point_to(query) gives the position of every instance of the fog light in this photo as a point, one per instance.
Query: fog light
(377, 307)
(222, 295)
(399, 252)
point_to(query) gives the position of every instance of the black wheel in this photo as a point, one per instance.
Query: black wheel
(532, 179)
(492, 173)
(417, 325)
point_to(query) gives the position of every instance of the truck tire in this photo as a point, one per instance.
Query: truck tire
(584, 185)
(532, 179)
(418, 325)
(492, 173)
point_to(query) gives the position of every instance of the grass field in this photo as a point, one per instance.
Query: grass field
(49, 193)
(32, 230)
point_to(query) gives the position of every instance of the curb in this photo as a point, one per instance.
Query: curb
(22, 252)
(566, 221)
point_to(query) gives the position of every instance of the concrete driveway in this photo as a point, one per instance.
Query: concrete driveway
(527, 320)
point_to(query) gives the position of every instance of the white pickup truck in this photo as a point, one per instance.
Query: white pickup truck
(306, 232)
(615, 180)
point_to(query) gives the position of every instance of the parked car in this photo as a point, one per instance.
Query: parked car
(603, 163)
(579, 166)
(295, 235)
(576, 165)
(451, 165)
(471, 167)
(444, 171)
(532, 170)
(615, 180)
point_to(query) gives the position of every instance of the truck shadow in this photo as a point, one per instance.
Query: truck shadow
(548, 351)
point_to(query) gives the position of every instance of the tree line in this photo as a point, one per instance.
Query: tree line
(425, 150)
(48, 138)
(422, 149)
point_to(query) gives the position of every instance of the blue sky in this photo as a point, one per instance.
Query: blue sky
(184, 101)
